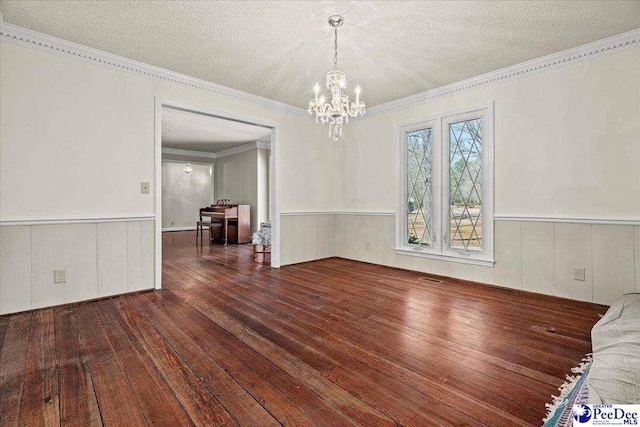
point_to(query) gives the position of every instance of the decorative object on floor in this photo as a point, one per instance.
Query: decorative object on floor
(338, 111)
(188, 168)
(262, 240)
(574, 391)
(614, 378)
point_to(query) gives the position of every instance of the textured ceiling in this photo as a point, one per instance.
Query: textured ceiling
(279, 49)
(198, 132)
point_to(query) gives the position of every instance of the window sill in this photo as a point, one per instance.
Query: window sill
(422, 254)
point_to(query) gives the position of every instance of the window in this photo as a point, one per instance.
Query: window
(445, 208)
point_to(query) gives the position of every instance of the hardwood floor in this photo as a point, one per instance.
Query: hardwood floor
(333, 342)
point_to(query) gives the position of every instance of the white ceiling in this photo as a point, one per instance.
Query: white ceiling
(279, 49)
(186, 130)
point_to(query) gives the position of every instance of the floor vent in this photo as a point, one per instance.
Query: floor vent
(430, 279)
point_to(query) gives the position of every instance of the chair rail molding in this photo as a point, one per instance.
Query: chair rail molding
(14, 34)
(374, 213)
(576, 220)
(75, 220)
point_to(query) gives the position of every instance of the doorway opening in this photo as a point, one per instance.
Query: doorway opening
(215, 182)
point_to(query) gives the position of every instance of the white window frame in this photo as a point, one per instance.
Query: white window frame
(440, 219)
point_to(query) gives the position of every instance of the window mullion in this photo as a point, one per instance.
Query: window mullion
(437, 186)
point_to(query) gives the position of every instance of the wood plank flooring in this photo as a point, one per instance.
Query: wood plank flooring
(333, 342)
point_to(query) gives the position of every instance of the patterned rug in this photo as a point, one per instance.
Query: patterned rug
(574, 391)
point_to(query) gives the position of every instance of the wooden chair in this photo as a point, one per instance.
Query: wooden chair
(210, 224)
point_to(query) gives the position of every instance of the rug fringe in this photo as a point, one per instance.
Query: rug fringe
(567, 386)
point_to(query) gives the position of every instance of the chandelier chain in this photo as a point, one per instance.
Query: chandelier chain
(335, 48)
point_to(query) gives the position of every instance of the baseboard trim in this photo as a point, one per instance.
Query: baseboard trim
(74, 303)
(190, 228)
(87, 220)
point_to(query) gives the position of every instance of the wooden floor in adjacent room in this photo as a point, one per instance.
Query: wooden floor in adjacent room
(333, 342)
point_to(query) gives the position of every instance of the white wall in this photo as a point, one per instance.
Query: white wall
(566, 143)
(76, 141)
(566, 146)
(236, 179)
(77, 138)
(94, 139)
(183, 194)
(263, 187)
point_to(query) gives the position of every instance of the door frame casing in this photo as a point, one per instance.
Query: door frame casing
(157, 185)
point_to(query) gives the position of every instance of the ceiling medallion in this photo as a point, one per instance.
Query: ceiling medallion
(338, 111)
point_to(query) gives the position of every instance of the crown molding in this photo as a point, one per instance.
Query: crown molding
(24, 37)
(191, 153)
(242, 148)
(219, 154)
(592, 50)
(13, 34)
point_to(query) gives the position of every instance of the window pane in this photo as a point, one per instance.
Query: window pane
(465, 184)
(419, 187)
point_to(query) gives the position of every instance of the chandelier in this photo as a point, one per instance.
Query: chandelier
(338, 111)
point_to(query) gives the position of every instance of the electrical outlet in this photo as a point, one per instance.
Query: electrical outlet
(173, 222)
(367, 246)
(59, 276)
(579, 273)
(144, 188)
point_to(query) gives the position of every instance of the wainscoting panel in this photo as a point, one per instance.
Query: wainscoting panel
(15, 269)
(148, 257)
(573, 249)
(533, 256)
(636, 234)
(112, 258)
(47, 253)
(134, 255)
(538, 261)
(100, 258)
(307, 236)
(286, 240)
(326, 239)
(81, 262)
(613, 261)
(508, 253)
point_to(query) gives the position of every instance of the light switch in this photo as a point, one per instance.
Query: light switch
(144, 188)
